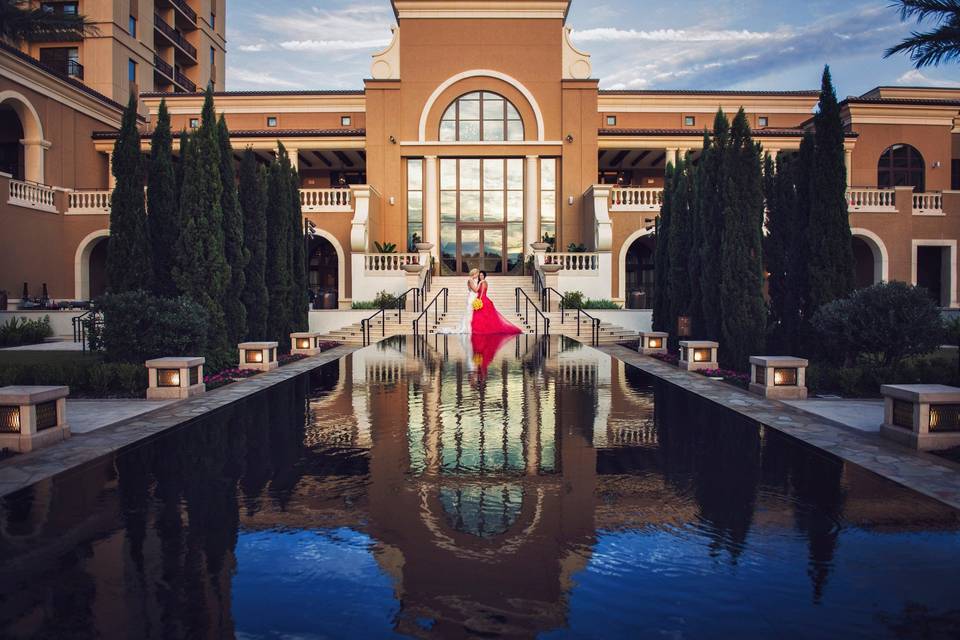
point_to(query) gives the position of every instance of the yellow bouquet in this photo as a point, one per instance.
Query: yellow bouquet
(477, 304)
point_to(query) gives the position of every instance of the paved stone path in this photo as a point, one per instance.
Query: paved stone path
(23, 470)
(923, 472)
(85, 416)
(865, 415)
(55, 345)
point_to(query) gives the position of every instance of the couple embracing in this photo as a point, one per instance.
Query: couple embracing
(481, 316)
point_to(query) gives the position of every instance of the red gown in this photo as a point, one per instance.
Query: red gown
(487, 320)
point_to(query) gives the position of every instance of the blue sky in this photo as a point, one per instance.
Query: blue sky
(636, 44)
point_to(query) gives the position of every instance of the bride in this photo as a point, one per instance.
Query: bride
(473, 284)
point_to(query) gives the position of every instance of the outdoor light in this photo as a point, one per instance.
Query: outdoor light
(654, 343)
(303, 343)
(9, 419)
(779, 377)
(923, 416)
(254, 356)
(32, 416)
(697, 355)
(761, 375)
(784, 377)
(168, 377)
(701, 355)
(46, 415)
(569, 137)
(945, 417)
(260, 356)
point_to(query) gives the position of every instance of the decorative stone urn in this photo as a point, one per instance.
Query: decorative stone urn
(539, 246)
(423, 246)
(550, 268)
(413, 267)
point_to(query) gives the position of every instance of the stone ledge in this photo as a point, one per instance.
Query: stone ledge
(25, 394)
(922, 393)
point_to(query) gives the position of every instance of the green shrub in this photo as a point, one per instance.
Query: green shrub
(864, 379)
(383, 300)
(879, 325)
(573, 299)
(85, 379)
(600, 304)
(363, 304)
(138, 326)
(18, 331)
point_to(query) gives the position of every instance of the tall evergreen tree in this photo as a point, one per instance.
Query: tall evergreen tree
(661, 259)
(278, 216)
(782, 255)
(681, 290)
(234, 311)
(252, 195)
(829, 241)
(201, 270)
(128, 257)
(711, 207)
(163, 223)
(696, 224)
(299, 302)
(803, 178)
(742, 307)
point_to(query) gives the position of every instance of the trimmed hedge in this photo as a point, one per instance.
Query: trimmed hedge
(85, 379)
(19, 331)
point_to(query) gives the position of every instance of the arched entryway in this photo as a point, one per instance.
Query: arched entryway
(22, 139)
(871, 263)
(98, 268)
(11, 149)
(324, 274)
(638, 274)
(90, 265)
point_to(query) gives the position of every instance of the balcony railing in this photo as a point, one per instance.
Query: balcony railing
(928, 204)
(32, 196)
(636, 199)
(163, 66)
(174, 35)
(184, 81)
(186, 9)
(393, 262)
(574, 261)
(88, 202)
(325, 200)
(871, 200)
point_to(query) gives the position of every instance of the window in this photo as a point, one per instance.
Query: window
(194, 123)
(271, 121)
(481, 116)
(63, 60)
(213, 56)
(899, 166)
(763, 121)
(132, 71)
(60, 8)
(611, 121)
(132, 27)
(689, 121)
(414, 202)
(345, 121)
(955, 174)
(548, 200)
(213, 20)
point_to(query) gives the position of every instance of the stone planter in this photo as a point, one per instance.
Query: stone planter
(412, 268)
(550, 268)
(539, 246)
(423, 246)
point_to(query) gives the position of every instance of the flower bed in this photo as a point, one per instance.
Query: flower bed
(669, 358)
(287, 358)
(226, 376)
(735, 378)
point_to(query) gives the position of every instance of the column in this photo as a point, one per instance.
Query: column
(294, 158)
(671, 157)
(111, 180)
(682, 152)
(531, 212)
(431, 204)
(848, 162)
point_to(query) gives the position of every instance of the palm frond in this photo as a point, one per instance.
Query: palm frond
(939, 45)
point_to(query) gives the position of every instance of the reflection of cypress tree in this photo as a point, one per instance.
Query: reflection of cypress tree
(256, 421)
(287, 428)
(69, 609)
(169, 527)
(134, 483)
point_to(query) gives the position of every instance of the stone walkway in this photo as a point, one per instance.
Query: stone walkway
(85, 416)
(923, 472)
(23, 470)
(54, 345)
(865, 415)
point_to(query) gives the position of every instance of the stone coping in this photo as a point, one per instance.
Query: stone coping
(26, 394)
(925, 473)
(258, 345)
(700, 344)
(778, 361)
(654, 334)
(920, 393)
(23, 470)
(173, 362)
(304, 334)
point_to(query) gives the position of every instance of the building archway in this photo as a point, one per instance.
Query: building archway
(901, 165)
(31, 144)
(89, 265)
(635, 251)
(326, 265)
(871, 261)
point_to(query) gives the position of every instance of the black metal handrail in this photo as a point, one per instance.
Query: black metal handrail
(80, 326)
(402, 302)
(174, 35)
(564, 306)
(537, 316)
(366, 324)
(425, 311)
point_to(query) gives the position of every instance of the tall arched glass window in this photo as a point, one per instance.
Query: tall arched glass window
(481, 116)
(901, 166)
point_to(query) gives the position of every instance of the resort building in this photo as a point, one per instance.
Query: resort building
(480, 130)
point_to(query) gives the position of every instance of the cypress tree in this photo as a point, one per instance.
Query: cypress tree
(782, 253)
(829, 248)
(696, 225)
(278, 275)
(252, 196)
(742, 307)
(201, 270)
(299, 302)
(128, 257)
(681, 291)
(235, 314)
(163, 223)
(711, 210)
(661, 258)
(802, 177)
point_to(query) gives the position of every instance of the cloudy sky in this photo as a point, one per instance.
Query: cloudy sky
(636, 44)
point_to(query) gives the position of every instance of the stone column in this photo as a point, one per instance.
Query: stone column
(531, 213)
(682, 152)
(848, 162)
(294, 158)
(671, 157)
(111, 180)
(431, 205)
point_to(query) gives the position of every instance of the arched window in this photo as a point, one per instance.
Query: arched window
(481, 116)
(901, 166)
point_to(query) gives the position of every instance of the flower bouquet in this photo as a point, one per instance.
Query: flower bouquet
(477, 304)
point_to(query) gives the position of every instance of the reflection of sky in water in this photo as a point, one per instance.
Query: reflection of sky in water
(302, 577)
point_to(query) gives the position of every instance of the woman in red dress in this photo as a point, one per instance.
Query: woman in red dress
(486, 318)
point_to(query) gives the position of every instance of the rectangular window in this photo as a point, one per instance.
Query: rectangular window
(689, 121)
(763, 121)
(548, 200)
(611, 121)
(132, 71)
(194, 123)
(213, 20)
(955, 174)
(414, 202)
(64, 60)
(345, 121)
(213, 56)
(132, 26)
(271, 121)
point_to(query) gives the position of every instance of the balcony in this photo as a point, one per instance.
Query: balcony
(873, 200)
(175, 36)
(186, 10)
(31, 195)
(87, 202)
(325, 200)
(184, 81)
(636, 198)
(172, 75)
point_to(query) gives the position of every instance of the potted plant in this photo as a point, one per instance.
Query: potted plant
(386, 247)
(543, 245)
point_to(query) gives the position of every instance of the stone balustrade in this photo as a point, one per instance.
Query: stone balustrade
(89, 202)
(636, 198)
(861, 200)
(325, 200)
(928, 204)
(32, 196)
(574, 261)
(389, 262)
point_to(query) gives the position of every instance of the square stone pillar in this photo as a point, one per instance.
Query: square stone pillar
(531, 213)
(922, 416)
(431, 203)
(696, 355)
(175, 378)
(779, 377)
(305, 342)
(653, 342)
(32, 417)
(259, 356)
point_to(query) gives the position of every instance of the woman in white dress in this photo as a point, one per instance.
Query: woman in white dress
(473, 284)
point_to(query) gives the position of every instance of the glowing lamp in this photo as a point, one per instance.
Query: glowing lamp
(696, 355)
(259, 356)
(924, 416)
(32, 417)
(778, 377)
(653, 342)
(174, 378)
(305, 342)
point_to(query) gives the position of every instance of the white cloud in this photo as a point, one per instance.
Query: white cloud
(917, 79)
(254, 48)
(259, 78)
(333, 45)
(610, 34)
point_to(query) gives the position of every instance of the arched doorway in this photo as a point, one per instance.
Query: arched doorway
(870, 259)
(90, 266)
(11, 149)
(324, 274)
(901, 165)
(18, 117)
(638, 274)
(98, 267)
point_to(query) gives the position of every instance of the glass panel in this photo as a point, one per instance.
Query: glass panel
(512, 113)
(514, 130)
(492, 251)
(515, 206)
(492, 107)
(448, 206)
(514, 247)
(448, 248)
(548, 173)
(415, 174)
(415, 206)
(469, 130)
(470, 250)
(493, 130)
(469, 109)
(470, 206)
(470, 174)
(514, 173)
(548, 205)
(493, 174)
(493, 206)
(448, 131)
(448, 173)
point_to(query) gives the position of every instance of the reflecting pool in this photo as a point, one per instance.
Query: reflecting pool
(507, 487)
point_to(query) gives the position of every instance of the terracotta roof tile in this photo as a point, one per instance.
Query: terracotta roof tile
(263, 133)
(297, 92)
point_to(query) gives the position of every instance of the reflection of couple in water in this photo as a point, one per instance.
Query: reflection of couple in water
(480, 315)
